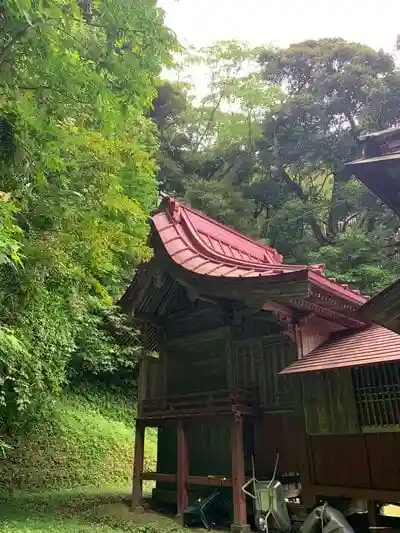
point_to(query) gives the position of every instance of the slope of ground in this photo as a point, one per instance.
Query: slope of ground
(87, 440)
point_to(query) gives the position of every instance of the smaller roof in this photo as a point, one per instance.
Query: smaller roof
(371, 345)
(384, 308)
(379, 168)
(389, 132)
(381, 142)
(376, 159)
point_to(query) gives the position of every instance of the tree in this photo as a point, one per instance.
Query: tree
(78, 178)
(334, 91)
(265, 151)
(209, 148)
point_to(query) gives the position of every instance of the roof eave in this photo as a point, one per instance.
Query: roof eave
(381, 175)
(384, 308)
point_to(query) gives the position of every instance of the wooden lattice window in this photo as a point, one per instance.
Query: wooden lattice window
(150, 338)
(377, 391)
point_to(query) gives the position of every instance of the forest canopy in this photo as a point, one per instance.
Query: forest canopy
(265, 150)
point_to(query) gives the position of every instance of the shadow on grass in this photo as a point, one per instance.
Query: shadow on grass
(76, 511)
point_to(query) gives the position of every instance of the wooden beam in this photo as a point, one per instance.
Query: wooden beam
(160, 419)
(206, 481)
(138, 462)
(222, 332)
(156, 476)
(238, 475)
(143, 375)
(389, 496)
(183, 469)
(210, 481)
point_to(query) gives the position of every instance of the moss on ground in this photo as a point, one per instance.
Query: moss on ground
(86, 440)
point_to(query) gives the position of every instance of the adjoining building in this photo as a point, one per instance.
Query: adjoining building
(379, 170)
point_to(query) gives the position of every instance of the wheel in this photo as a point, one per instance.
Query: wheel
(260, 522)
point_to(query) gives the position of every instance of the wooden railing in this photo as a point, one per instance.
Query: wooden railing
(200, 404)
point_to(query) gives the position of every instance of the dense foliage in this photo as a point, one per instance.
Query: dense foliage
(87, 441)
(77, 182)
(265, 150)
(85, 135)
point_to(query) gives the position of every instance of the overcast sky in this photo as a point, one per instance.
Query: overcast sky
(282, 22)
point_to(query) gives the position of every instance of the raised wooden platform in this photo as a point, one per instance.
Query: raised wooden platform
(200, 404)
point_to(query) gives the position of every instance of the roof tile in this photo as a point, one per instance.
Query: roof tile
(370, 345)
(205, 246)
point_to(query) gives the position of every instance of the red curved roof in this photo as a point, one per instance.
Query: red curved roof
(206, 247)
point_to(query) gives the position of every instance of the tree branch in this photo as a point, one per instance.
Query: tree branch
(348, 220)
(323, 184)
(298, 191)
(11, 42)
(209, 122)
(54, 89)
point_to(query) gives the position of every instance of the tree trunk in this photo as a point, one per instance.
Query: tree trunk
(298, 191)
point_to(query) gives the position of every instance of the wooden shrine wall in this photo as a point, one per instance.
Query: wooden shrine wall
(256, 364)
(198, 363)
(245, 356)
(353, 425)
(277, 433)
(361, 461)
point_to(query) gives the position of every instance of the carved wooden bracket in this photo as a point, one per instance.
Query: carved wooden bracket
(286, 317)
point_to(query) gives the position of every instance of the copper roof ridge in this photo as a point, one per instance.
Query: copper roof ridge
(176, 211)
(209, 253)
(226, 227)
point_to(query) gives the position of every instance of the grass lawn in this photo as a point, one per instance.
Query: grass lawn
(78, 512)
(51, 525)
(84, 511)
(87, 441)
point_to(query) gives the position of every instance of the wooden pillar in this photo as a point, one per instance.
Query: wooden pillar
(143, 375)
(183, 469)
(372, 514)
(308, 498)
(138, 462)
(238, 476)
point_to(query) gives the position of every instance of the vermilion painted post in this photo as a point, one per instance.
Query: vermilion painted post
(138, 462)
(238, 476)
(183, 470)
